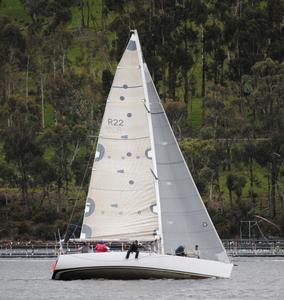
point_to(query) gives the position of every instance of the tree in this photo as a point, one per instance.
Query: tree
(265, 96)
(245, 154)
(107, 79)
(204, 158)
(230, 185)
(47, 15)
(72, 98)
(269, 155)
(275, 10)
(78, 137)
(43, 175)
(176, 112)
(58, 137)
(12, 47)
(220, 114)
(20, 146)
(7, 174)
(238, 184)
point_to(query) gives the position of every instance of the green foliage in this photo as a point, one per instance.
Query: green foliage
(218, 66)
(14, 9)
(107, 79)
(7, 174)
(195, 112)
(20, 146)
(44, 216)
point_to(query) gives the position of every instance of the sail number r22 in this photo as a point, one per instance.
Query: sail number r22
(114, 122)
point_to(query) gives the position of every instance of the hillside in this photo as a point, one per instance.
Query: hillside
(219, 70)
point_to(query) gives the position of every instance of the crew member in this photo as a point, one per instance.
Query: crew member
(133, 248)
(180, 251)
(101, 247)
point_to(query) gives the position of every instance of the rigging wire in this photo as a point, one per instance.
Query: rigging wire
(78, 194)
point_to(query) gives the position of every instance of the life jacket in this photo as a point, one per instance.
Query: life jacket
(101, 248)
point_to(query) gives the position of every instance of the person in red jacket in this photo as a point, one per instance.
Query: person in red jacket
(101, 247)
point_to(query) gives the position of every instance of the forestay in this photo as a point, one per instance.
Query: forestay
(121, 201)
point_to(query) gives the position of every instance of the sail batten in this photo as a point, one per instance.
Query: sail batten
(121, 194)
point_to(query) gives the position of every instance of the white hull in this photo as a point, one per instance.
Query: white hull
(113, 265)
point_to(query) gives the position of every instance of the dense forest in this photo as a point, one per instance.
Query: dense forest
(218, 67)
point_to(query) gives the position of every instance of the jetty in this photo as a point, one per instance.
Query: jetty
(251, 247)
(234, 248)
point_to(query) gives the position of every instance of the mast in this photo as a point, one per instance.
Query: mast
(147, 104)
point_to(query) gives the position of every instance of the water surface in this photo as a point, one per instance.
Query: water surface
(252, 278)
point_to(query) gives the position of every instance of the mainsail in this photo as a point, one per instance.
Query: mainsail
(141, 187)
(121, 201)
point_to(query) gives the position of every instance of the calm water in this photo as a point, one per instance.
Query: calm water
(252, 278)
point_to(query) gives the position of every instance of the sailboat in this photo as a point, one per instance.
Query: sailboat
(141, 189)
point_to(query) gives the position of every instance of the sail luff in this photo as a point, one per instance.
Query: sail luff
(141, 62)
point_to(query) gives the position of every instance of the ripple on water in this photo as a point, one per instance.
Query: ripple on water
(252, 278)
